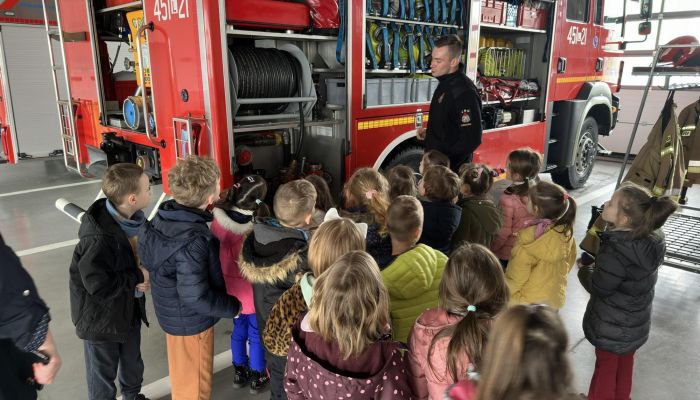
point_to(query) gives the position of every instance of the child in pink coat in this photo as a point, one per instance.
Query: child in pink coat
(446, 343)
(522, 169)
(233, 221)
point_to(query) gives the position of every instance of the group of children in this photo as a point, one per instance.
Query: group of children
(401, 293)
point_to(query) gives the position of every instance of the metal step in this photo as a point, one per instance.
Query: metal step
(552, 141)
(550, 167)
(602, 150)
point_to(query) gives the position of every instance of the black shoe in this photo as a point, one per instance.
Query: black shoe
(258, 381)
(242, 376)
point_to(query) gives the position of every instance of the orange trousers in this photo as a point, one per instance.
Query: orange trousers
(191, 364)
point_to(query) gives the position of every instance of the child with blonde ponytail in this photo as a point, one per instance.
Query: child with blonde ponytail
(367, 200)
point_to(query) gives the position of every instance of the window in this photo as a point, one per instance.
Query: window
(577, 10)
(598, 16)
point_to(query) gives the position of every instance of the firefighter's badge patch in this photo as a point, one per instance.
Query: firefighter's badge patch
(466, 118)
(442, 96)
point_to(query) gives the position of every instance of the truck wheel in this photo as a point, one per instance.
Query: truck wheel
(576, 175)
(409, 156)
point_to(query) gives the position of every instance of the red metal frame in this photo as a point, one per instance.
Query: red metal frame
(187, 54)
(6, 144)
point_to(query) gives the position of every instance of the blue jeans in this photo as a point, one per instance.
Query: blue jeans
(104, 359)
(245, 331)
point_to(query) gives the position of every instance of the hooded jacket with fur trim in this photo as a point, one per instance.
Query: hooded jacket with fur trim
(231, 228)
(273, 259)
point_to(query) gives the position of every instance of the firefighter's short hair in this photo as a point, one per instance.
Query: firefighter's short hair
(404, 218)
(453, 42)
(121, 180)
(193, 180)
(294, 201)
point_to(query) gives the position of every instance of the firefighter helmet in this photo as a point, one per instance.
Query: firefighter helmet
(679, 56)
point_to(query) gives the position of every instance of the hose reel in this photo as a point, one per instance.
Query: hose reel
(270, 81)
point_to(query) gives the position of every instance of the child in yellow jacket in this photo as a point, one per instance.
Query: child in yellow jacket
(545, 250)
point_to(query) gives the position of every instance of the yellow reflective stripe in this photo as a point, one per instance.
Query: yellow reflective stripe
(693, 170)
(667, 150)
(658, 190)
(594, 231)
(388, 122)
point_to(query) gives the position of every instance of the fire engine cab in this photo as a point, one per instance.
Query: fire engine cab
(326, 86)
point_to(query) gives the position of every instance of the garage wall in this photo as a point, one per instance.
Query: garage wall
(31, 89)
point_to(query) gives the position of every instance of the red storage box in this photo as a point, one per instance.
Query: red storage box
(268, 14)
(493, 11)
(532, 17)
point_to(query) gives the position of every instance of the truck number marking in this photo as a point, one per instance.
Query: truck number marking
(577, 35)
(166, 10)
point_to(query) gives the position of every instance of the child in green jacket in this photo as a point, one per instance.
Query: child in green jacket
(413, 275)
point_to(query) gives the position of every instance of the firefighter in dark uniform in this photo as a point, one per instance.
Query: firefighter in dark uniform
(454, 125)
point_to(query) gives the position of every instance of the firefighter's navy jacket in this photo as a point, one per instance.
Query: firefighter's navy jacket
(454, 125)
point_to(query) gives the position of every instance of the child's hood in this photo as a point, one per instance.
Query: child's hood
(271, 252)
(236, 221)
(336, 381)
(414, 272)
(646, 252)
(174, 227)
(553, 245)
(97, 221)
(433, 321)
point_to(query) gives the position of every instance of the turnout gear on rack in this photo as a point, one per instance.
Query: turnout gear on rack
(689, 123)
(659, 166)
(454, 126)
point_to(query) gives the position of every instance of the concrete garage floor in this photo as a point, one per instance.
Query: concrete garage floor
(668, 366)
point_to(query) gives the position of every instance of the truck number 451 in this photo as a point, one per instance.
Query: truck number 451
(166, 10)
(577, 35)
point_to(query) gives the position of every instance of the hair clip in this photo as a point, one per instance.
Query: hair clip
(370, 194)
(479, 171)
(258, 201)
(250, 179)
(236, 185)
(566, 196)
(470, 308)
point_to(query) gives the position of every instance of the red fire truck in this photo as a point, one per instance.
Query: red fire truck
(269, 86)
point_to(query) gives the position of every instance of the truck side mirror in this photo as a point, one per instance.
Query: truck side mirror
(644, 28)
(645, 7)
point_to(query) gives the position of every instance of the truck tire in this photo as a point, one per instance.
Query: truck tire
(576, 175)
(409, 156)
